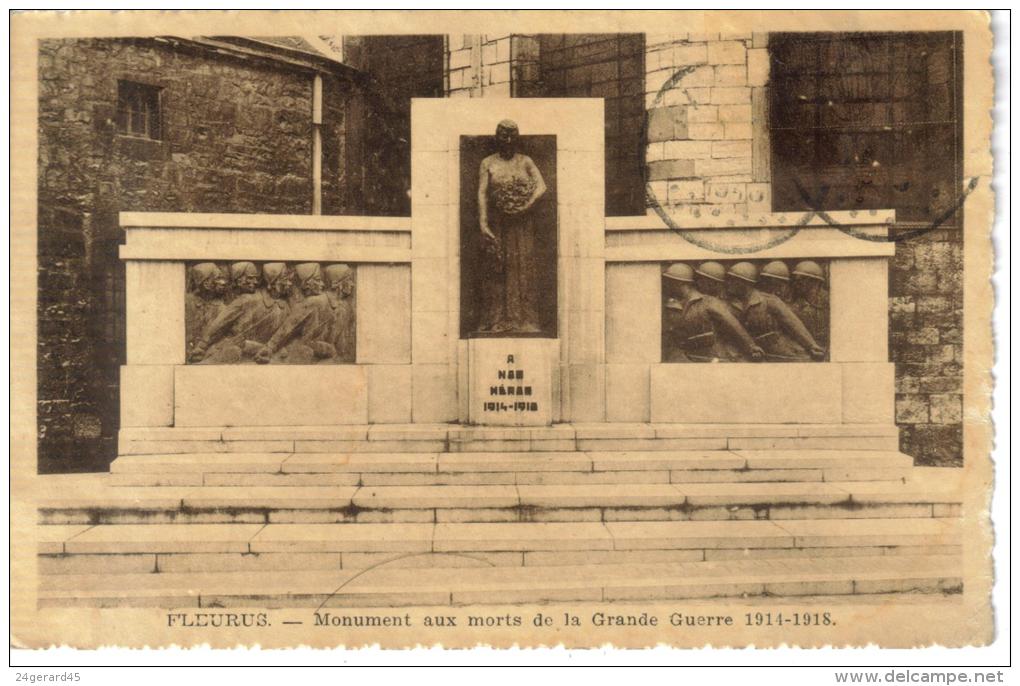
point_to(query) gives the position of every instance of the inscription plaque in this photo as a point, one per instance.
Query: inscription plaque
(511, 380)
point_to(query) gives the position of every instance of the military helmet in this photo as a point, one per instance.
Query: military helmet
(271, 271)
(809, 269)
(679, 271)
(776, 270)
(712, 270)
(239, 269)
(745, 271)
(307, 270)
(336, 272)
(202, 272)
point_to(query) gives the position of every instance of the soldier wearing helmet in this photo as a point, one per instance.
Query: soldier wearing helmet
(250, 320)
(303, 337)
(710, 278)
(207, 284)
(340, 295)
(768, 319)
(245, 277)
(775, 279)
(810, 299)
(700, 327)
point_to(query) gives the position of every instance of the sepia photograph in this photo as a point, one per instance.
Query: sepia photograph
(492, 328)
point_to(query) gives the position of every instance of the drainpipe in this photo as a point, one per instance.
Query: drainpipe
(317, 145)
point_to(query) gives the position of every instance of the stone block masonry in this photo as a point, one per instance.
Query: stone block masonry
(926, 343)
(480, 64)
(703, 143)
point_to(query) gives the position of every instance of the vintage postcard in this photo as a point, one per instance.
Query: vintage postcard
(501, 328)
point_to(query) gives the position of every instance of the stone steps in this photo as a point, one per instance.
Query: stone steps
(150, 545)
(390, 586)
(454, 438)
(508, 469)
(493, 537)
(927, 493)
(286, 527)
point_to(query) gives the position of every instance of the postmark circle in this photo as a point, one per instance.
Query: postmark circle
(756, 242)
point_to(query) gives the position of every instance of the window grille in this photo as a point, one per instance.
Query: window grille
(867, 121)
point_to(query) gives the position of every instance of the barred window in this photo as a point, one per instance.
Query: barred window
(138, 111)
(867, 121)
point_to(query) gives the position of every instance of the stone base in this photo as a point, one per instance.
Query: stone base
(510, 381)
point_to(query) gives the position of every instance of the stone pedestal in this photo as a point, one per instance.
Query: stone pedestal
(510, 381)
(577, 390)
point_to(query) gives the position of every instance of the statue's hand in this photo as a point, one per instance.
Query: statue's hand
(488, 235)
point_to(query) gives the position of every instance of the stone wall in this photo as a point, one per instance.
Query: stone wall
(707, 130)
(236, 137)
(926, 343)
(605, 66)
(481, 64)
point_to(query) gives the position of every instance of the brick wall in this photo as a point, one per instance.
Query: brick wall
(707, 144)
(236, 138)
(483, 64)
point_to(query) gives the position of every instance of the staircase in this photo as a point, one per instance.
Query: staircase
(440, 515)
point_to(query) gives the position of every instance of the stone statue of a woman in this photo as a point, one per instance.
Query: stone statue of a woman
(509, 184)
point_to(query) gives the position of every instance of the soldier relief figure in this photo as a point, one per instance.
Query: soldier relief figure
(509, 185)
(267, 320)
(251, 318)
(702, 327)
(714, 313)
(810, 299)
(207, 286)
(340, 295)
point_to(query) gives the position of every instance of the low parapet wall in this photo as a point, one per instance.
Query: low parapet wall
(385, 383)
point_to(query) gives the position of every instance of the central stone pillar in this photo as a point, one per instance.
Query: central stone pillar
(508, 320)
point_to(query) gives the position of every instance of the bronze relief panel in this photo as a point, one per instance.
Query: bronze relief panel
(270, 313)
(745, 311)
